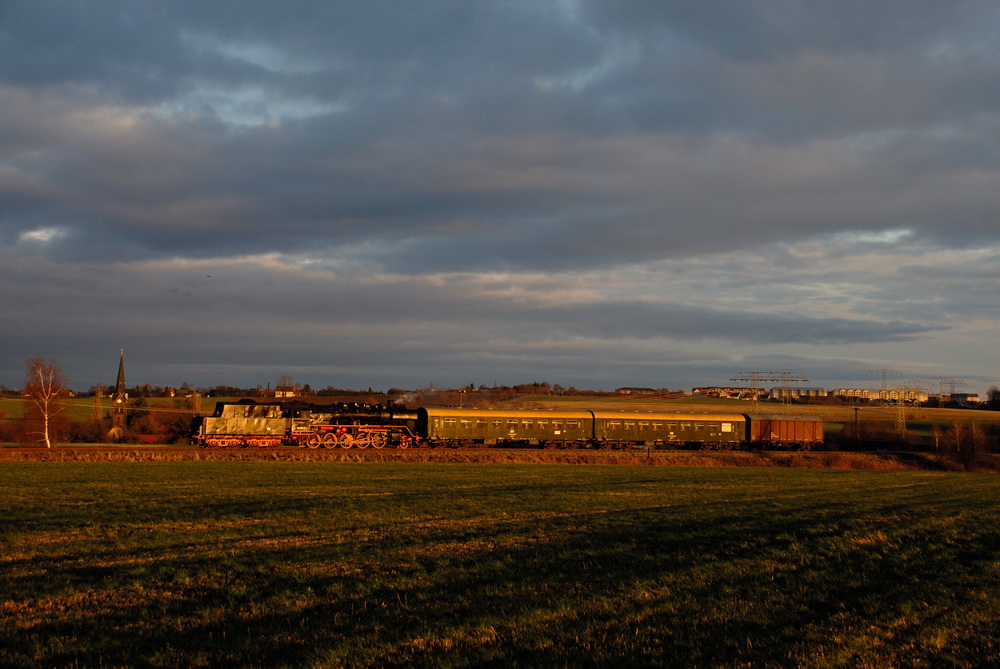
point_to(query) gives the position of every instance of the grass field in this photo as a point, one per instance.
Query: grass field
(364, 564)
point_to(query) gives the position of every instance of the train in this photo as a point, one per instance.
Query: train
(351, 425)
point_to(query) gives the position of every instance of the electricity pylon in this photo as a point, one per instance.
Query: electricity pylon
(908, 387)
(755, 378)
(885, 373)
(945, 382)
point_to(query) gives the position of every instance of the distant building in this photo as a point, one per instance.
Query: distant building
(797, 393)
(635, 391)
(731, 392)
(285, 391)
(905, 394)
(855, 393)
(887, 395)
(965, 398)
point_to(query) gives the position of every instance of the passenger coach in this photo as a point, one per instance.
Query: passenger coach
(466, 427)
(674, 429)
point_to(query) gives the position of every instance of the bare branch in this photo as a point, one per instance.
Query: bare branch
(44, 385)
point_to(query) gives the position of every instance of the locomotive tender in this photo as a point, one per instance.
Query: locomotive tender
(247, 423)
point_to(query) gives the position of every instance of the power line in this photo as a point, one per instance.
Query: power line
(949, 383)
(755, 378)
(885, 373)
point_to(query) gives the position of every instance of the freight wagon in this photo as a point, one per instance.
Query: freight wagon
(769, 430)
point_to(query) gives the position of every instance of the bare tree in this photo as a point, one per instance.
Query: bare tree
(194, 403)
(993, 398)
(936, 431)
(44, 384)
(966, 442)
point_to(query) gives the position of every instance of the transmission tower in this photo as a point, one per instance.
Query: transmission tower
(945, 382)
(885, 373)
(907, 387)
(755, 378)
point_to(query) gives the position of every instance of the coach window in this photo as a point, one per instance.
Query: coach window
(496, 422)
(571, 424)
(727, 427)
(511, 422)
(657, 427)
(480, 422)
(557, 425)
(614, 425)
(685, 427)
(526, 424)
(449, 422)
(543, 424)
(629, 425)
(466, 423)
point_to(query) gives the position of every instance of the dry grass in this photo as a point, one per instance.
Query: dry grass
(811, 460)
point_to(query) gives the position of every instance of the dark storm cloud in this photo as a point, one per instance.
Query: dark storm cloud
(324, 324)
(353, 163)
(777, 29)
(433, 97)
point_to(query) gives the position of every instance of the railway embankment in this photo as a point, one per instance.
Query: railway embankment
(889, 461)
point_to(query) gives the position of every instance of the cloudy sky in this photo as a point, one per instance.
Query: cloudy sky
(590, 193)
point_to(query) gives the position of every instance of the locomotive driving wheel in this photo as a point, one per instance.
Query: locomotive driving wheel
(330, 440)
(379, 439)
(346, 440)
(314, 441)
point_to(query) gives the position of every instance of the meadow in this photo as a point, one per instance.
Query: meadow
(332, 564)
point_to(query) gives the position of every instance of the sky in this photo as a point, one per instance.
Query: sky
(588, 193)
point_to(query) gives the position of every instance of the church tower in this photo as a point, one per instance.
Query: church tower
(119, 400)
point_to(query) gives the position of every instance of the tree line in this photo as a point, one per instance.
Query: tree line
(46, 420)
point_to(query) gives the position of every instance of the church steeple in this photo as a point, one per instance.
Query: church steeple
(120, 399)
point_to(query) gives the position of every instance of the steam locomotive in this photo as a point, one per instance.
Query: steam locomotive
(247, 423)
